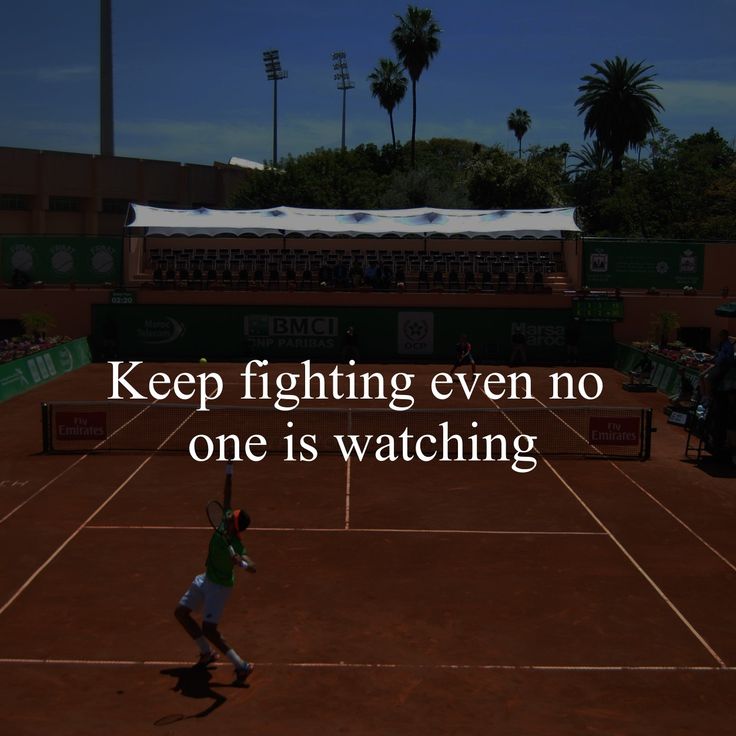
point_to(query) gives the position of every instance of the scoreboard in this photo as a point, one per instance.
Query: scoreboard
(598, 309)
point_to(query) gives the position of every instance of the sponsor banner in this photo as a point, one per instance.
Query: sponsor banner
(382, 334)
(160, 330)
(415, 333)
(290, 333)
(70, 426)
(24, 374)
(61, 259)
(614, 431)
(642, 264)
(539, 335)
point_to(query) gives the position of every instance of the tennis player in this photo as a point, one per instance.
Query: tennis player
(210, 591)
(463, 356)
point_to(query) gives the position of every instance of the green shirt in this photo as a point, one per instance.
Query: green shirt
(219, 564)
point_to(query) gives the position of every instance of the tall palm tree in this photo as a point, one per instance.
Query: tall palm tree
(620, 109)
(416, 40)
(519, 121)
(388, 84)
(591, 157)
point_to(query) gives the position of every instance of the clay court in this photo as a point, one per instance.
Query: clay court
(588, 596)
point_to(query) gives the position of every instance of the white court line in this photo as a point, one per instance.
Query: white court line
(67, 469)
(347, 494)
(59, 549)
(355, 530)
(646, 492)
(623, 549)
(373, 665)
(676, 518)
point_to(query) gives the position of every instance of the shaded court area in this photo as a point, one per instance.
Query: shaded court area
(584, 596)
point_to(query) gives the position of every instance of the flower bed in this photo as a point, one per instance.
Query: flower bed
(679, 354)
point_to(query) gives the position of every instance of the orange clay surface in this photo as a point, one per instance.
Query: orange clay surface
(585, 597)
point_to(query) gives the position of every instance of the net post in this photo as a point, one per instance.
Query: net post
(46, 427)
(646, 449)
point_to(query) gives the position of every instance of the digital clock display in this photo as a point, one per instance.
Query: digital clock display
(598, 309)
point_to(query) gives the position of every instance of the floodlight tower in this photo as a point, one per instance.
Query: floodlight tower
(342, 75)
(107, 143)
(276, 73)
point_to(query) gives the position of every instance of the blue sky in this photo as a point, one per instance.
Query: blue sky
(190, 84)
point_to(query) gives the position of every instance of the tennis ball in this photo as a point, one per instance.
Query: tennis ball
(203, 360)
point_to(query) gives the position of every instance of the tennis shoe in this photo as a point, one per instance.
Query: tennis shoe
(243, 673)
(206, 658)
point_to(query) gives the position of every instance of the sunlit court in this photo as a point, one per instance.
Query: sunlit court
(388, 590)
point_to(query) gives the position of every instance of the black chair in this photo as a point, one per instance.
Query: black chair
(158, 278)
(227, 277)
(469, 279)
(486, 280)
(258, 278)
(243, 278)
(538, 281)
(503, 281)
(438, 279)
(307, 279)
(211, 277)
(197, 278)
(520, 281)
(423, 280)
(274, 278)
(453, 281)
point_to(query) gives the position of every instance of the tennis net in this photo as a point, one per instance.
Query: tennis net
(110, 426)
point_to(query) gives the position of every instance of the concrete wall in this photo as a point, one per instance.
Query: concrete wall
(38, 176)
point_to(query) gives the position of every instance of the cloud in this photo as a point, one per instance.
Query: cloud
(65, 73)
(53, 73)
(697, 97)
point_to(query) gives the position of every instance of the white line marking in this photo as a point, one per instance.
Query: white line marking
(67, 469)
(645, 491)
(373, 665)
(676, 518)
(627, 554)
(59, 549)
(347, 494)
(342, 530)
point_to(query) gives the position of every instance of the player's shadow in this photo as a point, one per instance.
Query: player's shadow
(195, 682)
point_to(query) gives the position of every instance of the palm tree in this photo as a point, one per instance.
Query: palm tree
(619, 106)
(416, 42)
(519, 121)
(388, 84)
(591, 158)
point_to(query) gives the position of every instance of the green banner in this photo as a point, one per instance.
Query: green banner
(61, 260)
(237, 332)
(23, 374)
(642, 264)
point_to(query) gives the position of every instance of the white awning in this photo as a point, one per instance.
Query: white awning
(424, 221)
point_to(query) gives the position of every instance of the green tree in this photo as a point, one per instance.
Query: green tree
(591, 157)
(499, 180)
(619, 107)
(416, 40)
(388, 84)
(519, 121)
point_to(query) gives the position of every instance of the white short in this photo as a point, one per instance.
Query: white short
(206, 596)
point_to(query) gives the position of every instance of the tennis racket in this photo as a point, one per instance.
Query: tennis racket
(216, 516)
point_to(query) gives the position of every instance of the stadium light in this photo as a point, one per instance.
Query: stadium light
(274, 73)
(342, 75)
